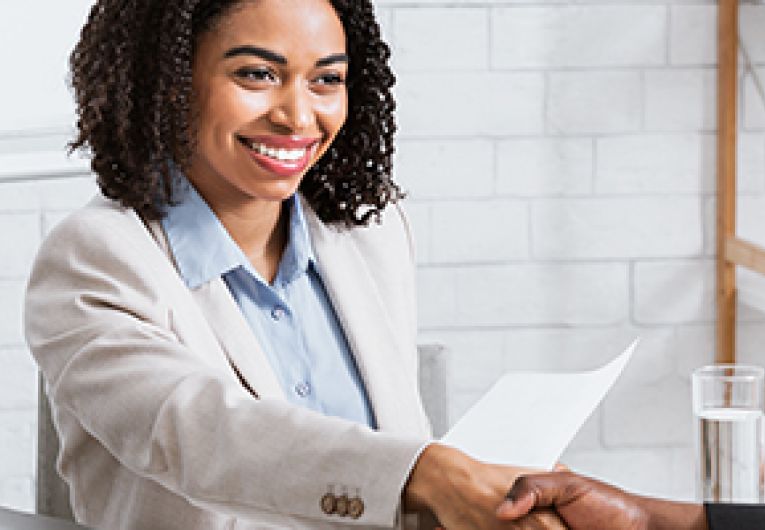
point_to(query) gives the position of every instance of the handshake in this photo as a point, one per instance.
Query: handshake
(586, 504)
(554, 500)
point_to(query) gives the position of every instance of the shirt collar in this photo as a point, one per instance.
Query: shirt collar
(204, 250)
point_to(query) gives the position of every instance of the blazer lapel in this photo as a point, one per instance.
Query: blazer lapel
(231, 329)
(353, 294)
(237, 339)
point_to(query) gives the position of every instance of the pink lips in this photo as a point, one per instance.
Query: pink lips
(282, 168)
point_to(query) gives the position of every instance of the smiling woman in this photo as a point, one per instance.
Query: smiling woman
(135, 104)
(228, 341)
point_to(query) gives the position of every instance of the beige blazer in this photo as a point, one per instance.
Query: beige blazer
(169, 414)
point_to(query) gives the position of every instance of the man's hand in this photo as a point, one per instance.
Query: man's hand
(463, 493)
(587, 504)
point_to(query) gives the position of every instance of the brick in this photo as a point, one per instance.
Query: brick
(594, 102)
(657, 414)
(692, 346)
(680, 100)
(616, 228)
(573, 36)
(441, 39)
(677, 163)
(436, 297)
(491, 104)
(18, 380)
(541, 167)
(693, 35)
(524, 294)
(486, 231)
(754, 106)
(11, 307)
(19, 239)
(446, 168)
(674, 292)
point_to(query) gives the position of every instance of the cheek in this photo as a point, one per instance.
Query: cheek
(332, 115)
(228, 111)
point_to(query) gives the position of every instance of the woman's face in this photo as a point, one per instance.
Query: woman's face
(269, 97)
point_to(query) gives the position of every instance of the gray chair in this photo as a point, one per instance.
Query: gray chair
(433, 379)
(53, 493)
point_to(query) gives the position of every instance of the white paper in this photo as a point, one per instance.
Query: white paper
(528, 419)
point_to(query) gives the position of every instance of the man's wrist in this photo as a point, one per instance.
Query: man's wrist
(671, 515)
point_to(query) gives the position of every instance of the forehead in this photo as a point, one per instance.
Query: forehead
(289, 27)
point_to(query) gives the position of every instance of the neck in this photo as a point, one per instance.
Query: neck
(260, 227)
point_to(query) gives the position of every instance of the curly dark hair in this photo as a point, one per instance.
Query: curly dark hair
(131, 73)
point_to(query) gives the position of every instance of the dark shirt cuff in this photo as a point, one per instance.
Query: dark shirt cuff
(735, 516)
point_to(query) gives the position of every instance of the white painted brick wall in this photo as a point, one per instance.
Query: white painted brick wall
(585, 102)
(560, 162)
(616, 227)
(489, 104)
(544, 166)
(578, 36)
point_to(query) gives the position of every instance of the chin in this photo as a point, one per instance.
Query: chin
(277, 192)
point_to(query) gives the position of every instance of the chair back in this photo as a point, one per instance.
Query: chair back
(433, 379)
(52, 492)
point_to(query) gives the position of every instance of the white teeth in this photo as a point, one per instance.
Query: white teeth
(285, 155)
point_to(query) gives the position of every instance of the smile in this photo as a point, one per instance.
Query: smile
(283, 155)
(276, 153)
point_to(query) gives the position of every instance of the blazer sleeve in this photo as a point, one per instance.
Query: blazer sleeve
(99, 324)
(735, 516)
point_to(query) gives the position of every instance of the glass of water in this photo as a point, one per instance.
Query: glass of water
(728, 405)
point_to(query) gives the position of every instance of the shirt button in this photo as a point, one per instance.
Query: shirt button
(278, 313)
(302, 389)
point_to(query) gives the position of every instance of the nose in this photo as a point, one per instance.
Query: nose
(293, 109)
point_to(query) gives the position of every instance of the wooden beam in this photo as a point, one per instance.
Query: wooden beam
(745, 254)
(726, 177)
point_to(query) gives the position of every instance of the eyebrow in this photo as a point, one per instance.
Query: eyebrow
(274, 57)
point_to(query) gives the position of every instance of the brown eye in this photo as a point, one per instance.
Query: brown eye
(330, 79)
(255, 74)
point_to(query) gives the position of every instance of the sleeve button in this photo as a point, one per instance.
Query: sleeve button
(355, 507)
(341, 506)
(328, 504)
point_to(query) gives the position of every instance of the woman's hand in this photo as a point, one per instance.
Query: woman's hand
(464, 493)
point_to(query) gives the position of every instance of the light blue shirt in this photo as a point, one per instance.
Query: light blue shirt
(293, 318)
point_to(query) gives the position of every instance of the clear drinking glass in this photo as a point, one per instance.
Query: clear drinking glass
(728, 405)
